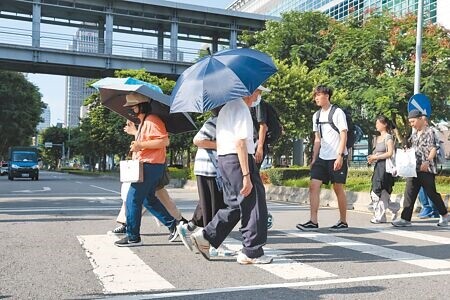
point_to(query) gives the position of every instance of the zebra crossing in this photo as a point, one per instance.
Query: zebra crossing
(121, 270)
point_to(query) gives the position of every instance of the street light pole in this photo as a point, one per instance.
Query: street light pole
(418, 47)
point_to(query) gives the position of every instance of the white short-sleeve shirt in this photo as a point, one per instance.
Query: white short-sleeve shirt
(329, 140)
(234, 123)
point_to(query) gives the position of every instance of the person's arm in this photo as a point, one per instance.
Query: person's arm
(242, 153)
(341, 150)
(316, 147)
(150, 144)
(205, 144)
(261, 139)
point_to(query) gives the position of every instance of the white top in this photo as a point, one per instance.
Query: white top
(329, 140)
(234, 123)
(203, 165)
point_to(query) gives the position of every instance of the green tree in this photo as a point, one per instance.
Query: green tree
(21, 107)
(58, 136)
(374, 63)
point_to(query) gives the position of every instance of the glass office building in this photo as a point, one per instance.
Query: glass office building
(341, 9)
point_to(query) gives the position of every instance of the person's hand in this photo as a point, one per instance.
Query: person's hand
(259, 154)
(338, 163)
(130, 128)
(135, 146)
(247, 186)
(424, 166)
(312, 163)
(371, 159)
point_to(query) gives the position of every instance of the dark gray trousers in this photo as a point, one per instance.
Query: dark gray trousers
(413, 185)
(251, 210)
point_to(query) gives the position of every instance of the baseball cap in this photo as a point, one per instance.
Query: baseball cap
(415, 113)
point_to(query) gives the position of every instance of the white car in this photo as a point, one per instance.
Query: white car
(4, 169)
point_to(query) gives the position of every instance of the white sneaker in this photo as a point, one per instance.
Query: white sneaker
(245, 260)
(443, 221)
(202, 244)
(401, 223)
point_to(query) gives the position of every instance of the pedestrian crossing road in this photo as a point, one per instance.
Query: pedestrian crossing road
(301, 259)
(55, 246)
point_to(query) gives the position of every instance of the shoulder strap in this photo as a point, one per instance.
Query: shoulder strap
(330, 118)
(214, 161)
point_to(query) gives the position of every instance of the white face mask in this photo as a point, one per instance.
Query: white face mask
(258, 99)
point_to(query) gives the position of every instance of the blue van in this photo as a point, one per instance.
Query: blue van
(23, 162)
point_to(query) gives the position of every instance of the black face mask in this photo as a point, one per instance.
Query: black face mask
(130, 111)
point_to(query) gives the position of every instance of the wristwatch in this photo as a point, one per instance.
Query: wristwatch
(341, 154)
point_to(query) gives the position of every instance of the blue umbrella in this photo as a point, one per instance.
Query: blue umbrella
(216, 79)
(113, 93)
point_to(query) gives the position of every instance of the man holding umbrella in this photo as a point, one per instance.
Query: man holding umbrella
(244, 192)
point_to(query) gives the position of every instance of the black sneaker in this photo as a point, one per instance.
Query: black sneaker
(173, 232)
(125, 242)
(308, 226)
(121, 229)
(340, 226)
(191, 226)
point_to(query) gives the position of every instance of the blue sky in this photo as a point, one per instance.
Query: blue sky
(52, 87)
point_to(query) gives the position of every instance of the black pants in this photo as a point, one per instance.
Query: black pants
(251, 210)
(210, 200)
(413, 185)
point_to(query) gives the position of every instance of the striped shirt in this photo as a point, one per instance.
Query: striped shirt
(203, 165)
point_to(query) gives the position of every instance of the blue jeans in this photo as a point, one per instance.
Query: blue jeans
(143, 193)
(428, 207)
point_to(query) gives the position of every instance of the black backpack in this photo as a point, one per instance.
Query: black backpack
(354, 133)
(274, 126)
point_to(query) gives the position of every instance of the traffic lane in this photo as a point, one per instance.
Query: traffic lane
(60, 184)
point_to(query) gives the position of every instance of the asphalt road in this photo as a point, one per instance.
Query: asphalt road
(54, 246)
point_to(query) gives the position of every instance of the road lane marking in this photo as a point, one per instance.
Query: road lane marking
(414, 235)
(392, 254)
(283, 285)
(119, 269)
(108, 190)
(44, 189)
(281, 266)
(51, 209)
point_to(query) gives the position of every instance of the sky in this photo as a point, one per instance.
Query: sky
(52, 87)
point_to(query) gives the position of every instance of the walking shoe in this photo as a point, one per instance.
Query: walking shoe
(202, 244)
(173, 232)
(269, 220)
(125, 242)
(245, 260)
(443, 221)
(375, 221)
(394, 216)
(121, 229)
(401, 223)
(185, 234)
(308, 226)
(191, 226)
(222, 251)
(339, 226)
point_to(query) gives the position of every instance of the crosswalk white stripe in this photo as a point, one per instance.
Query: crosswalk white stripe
(413, 259)
(281, 266)
(119, 269)
(414, 235)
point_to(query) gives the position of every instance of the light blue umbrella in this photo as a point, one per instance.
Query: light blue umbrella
(113, 93)
(216, 79)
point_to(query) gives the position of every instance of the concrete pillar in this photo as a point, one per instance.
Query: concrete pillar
(36, 27)
(297, 155)
(215, 44)
(101, 36)
(233, 35)
(174, 38)
(160, 43)
(109, 31)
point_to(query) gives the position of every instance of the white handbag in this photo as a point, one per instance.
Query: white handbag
(131, 171)
(405, 162)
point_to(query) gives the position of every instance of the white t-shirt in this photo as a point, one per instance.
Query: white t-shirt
(234, 123)
(329, 140)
